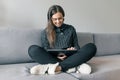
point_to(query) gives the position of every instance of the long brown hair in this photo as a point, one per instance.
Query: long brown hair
(51, 34)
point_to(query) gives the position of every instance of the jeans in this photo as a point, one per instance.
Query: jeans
(83, 55)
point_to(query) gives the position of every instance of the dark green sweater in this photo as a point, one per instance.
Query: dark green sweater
(65, 37)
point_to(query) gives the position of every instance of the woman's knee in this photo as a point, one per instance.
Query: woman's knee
(92, 48)
(32, 49)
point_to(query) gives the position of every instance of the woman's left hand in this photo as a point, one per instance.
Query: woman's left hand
(71, 48)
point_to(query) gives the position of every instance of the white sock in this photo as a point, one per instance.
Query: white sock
(84, 69)
(52, 67)
(39, 69)
(71, 70)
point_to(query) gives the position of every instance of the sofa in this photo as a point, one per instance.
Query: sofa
(15, 62)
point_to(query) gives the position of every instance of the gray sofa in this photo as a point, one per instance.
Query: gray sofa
(15, 62)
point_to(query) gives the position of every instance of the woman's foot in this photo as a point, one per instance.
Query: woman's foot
(58, 69)
(84, 69)
(54, 68)
(49, 68)
(39, 69)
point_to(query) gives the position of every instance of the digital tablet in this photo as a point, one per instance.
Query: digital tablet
(65, 51)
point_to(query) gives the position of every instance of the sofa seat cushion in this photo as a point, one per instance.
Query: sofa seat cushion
(21, 72)
(104, 68)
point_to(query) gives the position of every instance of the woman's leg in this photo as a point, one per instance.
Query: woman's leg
(40, 55)
(82, 56)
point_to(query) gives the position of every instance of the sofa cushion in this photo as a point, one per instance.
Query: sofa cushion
(21, 72)
(84, 38)
(103, 68)
(14, 44)
(107, 43)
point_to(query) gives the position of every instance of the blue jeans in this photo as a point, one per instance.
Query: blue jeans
(83, 55)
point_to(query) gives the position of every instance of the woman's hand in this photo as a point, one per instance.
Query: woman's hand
(71, 48)
(61, 56)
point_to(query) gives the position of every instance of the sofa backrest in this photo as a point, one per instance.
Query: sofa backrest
(14, 44)
(84, 38)
(107, 43)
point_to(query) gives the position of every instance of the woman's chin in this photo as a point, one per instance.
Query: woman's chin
(58, 25)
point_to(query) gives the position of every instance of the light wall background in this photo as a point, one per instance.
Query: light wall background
(85, 15)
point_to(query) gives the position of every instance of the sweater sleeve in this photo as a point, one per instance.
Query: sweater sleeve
(75, 39)
(44, 40)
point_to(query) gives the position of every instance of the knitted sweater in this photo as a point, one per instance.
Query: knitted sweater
(65, 37)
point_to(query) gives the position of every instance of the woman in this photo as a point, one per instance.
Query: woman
(58, 35)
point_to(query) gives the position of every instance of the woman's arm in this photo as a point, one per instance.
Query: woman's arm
(44, 40)
(75, 39)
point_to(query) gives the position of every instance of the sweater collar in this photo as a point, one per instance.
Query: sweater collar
(59, 29)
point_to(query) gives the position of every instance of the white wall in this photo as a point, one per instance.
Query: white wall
(84, 15)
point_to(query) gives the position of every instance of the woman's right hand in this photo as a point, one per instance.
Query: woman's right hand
(61, 56)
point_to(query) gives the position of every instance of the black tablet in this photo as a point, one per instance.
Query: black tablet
(65, 51)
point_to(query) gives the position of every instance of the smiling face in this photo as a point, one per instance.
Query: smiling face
(57, 19)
